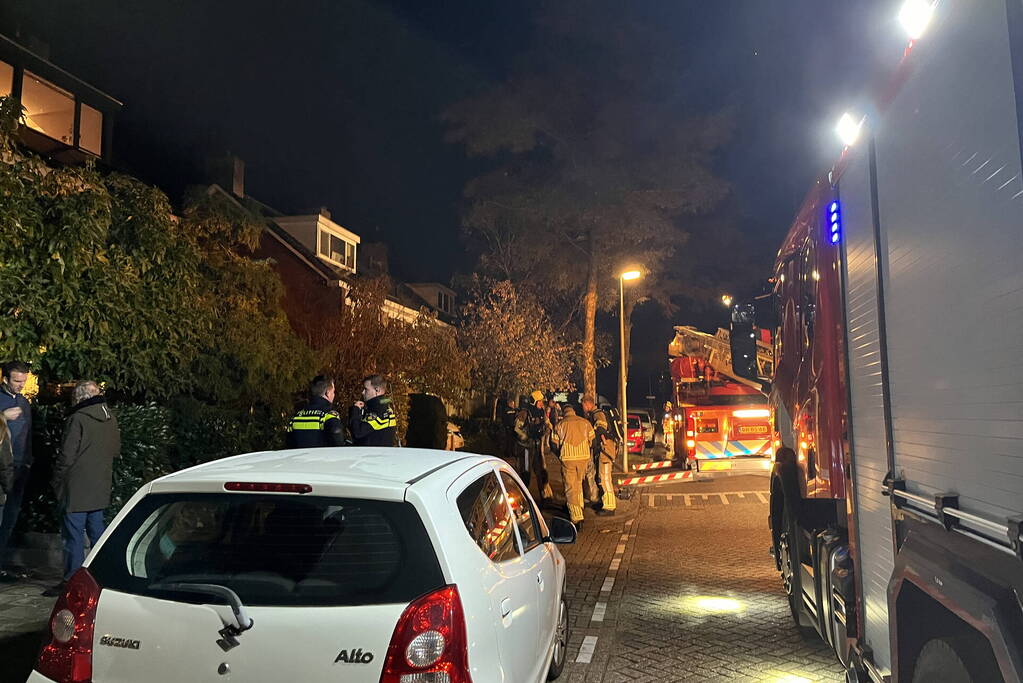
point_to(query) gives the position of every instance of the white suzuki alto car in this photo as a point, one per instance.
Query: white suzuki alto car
(364, 565)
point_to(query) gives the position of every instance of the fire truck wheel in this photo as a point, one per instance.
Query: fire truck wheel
(954, 660)
(788, 548)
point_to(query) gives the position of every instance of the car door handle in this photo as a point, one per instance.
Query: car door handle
(506, 607)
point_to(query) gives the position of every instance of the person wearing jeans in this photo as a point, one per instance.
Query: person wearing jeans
(73, 528)
(83, 472)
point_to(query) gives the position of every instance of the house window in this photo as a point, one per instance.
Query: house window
(90, 130)
(337, 250)
(444, 302)
(48, 109)
(6, 79)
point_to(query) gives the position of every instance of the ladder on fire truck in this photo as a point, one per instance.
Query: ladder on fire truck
(716, 350)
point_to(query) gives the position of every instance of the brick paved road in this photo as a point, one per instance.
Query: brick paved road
(695, 595)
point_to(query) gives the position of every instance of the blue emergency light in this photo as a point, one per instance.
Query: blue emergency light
(835, 222)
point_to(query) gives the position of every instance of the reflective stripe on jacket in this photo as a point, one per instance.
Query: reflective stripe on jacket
(315, 426)
(374, 425)
(575, 435)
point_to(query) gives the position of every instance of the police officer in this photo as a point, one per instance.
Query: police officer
(317, 424)
(372, 420)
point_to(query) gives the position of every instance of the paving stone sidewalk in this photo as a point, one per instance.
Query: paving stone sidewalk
(24, 612)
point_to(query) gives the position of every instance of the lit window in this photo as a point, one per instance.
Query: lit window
(337, 250)
(6, 79)
(90, 130)
(48, 109)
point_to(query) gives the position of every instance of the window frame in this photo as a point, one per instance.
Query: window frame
(28, 75)
(325, 254)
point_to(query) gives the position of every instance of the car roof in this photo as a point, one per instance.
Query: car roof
(379, 468)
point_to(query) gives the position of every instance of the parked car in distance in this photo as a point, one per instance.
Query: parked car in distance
(368, 565)
(635, 440)
(649, 431)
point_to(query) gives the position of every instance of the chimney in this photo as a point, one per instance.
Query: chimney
(228, 171)
(325, 212)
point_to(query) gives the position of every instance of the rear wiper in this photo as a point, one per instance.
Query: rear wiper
(229, 634)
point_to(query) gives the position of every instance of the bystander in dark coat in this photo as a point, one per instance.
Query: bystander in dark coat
(83, 473)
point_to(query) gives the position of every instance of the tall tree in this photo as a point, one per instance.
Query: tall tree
(511, 345)
(592, 160)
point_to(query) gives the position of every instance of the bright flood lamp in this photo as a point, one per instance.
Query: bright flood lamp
(914, 16)
(848, 129)
(631, 275)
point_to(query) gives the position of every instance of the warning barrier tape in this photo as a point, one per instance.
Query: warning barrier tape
(654, 465)
(657, 478)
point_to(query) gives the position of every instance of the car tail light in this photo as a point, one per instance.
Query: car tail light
(429, 643)
(67, 658)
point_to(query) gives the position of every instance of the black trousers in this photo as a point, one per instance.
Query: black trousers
(533, 461)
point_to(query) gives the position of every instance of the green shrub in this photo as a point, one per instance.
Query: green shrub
(155, 440)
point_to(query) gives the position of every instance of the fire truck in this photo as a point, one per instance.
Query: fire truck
(723, 421)
(897, 310)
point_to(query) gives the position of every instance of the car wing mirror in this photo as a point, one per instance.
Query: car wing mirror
(562, 531)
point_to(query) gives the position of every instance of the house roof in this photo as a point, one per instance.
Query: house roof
(399, 292)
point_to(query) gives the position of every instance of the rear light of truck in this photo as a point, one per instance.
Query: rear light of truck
(429, 644)
(67, 658)
(752, 413)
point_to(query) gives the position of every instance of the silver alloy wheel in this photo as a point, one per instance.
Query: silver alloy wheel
(561, 635)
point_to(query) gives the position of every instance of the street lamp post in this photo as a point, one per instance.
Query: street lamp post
(623, 378)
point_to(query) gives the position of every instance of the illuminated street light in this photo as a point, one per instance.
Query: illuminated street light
(914, 16)
(848, 129)
(624, 379)
(726, 299)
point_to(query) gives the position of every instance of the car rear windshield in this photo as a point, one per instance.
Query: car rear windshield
(272, 550)
(634, 422)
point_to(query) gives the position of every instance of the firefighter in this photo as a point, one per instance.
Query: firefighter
(668, 429)
(532, 428)
(318, 424)
(372, 420)
(574, 436)
(508, 416)
(605, 450)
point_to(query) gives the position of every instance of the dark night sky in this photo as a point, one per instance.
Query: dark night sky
(336, 102)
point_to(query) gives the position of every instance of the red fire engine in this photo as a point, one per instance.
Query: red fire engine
(722, 422)
(897, 494)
